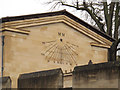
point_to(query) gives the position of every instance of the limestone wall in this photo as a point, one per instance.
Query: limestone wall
(47, 47)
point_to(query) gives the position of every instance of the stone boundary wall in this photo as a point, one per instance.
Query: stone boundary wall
(102, 75)
(43, 79)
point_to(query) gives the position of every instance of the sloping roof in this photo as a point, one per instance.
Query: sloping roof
(62, 12)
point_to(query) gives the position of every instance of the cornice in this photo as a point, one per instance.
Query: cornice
(15, 30)
(55, 19)
(99, 45)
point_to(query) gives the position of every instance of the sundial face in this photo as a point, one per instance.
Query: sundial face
(60, 51)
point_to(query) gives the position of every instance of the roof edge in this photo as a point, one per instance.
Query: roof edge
(55, 13)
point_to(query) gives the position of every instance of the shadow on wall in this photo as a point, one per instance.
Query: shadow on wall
(102, 76)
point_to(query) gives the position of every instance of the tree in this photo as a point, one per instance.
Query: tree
(105, 15)
(118, 58)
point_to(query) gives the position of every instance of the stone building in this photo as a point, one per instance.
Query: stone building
(37, 42)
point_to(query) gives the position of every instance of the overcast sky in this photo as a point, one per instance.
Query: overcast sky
(23, 7)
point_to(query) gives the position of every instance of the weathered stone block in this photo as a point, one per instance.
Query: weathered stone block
(102, 75)
(43, 79)
(5, 83)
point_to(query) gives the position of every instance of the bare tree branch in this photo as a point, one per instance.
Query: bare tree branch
(117, 21)
(118, 49)
(92, 14)
(118, 41)
(110, 17)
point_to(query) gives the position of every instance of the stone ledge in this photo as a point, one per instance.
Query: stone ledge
(99, 66)
(40, 73)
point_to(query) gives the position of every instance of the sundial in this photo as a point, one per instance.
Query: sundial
(60, 50)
